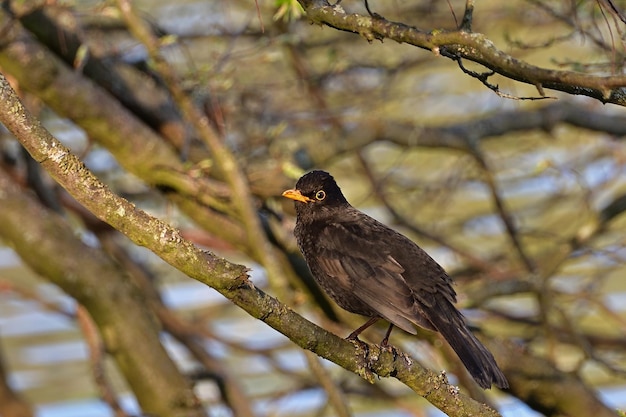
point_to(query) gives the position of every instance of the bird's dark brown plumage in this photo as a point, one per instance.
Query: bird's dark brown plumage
(372, 270)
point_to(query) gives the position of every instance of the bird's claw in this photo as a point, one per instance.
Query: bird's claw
(389, 348)
(358, 342)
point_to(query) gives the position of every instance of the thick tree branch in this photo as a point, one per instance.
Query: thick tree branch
(475, 47)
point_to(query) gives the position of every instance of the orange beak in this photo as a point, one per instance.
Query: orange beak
(296, 195)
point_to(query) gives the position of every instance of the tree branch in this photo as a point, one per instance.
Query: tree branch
(11, 403)
(465, 135)
(475, 47)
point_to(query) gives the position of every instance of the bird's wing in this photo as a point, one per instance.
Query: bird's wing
(365, 266)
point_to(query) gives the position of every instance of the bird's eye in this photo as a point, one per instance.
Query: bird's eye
(320, 195)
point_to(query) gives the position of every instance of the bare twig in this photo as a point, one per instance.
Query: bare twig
(336, 397)
(466, 24)
(96, 359)
(572, 21)
(483, 77)
(29, 294)
(504, 213)
(616, 11)
(11, 403)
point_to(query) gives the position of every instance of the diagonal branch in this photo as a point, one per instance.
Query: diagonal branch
(96, 359)
(505, 214)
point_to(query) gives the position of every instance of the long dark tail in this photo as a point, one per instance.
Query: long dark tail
(477, 359)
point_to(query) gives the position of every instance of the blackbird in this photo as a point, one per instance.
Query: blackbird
(369, 269)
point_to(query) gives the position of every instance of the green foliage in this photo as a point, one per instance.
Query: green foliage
(288, 10)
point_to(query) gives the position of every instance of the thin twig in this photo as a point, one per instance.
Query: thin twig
(96, 360)
(483, 77)
(504, 213)
(466, 23)
(336, 397)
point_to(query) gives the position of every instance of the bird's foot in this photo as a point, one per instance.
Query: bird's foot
(354, 335)
(362, 352)
(385, 346)
(354, 338)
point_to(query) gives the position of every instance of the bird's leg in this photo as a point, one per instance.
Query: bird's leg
(355, 334)
(386, 339)
(373, 14)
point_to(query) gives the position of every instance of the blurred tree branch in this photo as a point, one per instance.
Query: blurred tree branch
(573, 398)
(59, 29)
(184, 332)
(467, 135)
(128, 330)
(96, 359)
(242, 199)
(11, 403)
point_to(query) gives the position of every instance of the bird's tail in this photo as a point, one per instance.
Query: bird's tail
(477, 359)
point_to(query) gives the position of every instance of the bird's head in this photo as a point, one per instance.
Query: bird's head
(316, 192)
